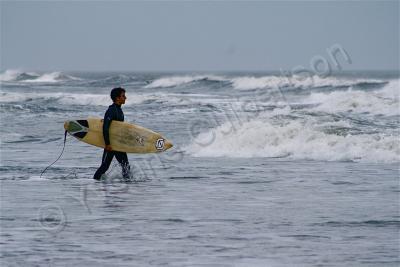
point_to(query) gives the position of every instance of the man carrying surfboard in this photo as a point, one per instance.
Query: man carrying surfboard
(114, 112)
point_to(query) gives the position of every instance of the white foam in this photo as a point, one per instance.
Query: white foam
(296, 140)
(179, 80)
(274, 82)
(249, 82)
(391, 90)
(384, 101)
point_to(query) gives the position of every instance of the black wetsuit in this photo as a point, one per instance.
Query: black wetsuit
(113, 113)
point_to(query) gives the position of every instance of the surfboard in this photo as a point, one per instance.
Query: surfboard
(124, 137)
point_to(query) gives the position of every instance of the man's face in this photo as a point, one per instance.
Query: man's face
(121, 99)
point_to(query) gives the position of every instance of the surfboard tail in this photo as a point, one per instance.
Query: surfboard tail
(78, 128)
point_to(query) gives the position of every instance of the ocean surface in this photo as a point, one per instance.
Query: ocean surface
(266, 170)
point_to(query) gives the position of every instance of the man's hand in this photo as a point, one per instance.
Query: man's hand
(108, 148)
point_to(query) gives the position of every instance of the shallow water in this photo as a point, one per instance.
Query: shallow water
(224, 212)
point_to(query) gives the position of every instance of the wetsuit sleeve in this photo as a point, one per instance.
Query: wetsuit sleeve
(108, 117)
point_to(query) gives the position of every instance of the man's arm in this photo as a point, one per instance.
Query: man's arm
(108, 117)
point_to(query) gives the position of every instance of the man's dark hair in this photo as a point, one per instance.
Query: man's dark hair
(116, 92)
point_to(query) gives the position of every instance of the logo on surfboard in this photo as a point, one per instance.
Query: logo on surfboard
(160, 144)
(140, 140)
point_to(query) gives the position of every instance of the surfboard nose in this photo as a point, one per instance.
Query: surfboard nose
(162, 144)
(168, 144)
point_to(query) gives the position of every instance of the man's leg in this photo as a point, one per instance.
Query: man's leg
(123, 160)
(105, 164)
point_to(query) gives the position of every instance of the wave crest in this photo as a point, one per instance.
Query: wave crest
(113, 80)
(274, 82)
(180, 80)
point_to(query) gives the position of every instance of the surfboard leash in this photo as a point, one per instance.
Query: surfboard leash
(62, 151)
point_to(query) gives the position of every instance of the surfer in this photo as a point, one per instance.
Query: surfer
(114, 112)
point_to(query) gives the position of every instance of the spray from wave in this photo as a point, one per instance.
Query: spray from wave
(16, 75)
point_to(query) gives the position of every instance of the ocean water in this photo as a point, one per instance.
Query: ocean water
(266, 170)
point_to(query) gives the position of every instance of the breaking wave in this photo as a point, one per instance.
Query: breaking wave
(294, 140)
(32, 77)
(15, 75)
(385, 101)
(267, 82)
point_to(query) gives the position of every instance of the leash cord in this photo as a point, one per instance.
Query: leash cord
(62, 151)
